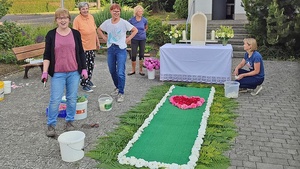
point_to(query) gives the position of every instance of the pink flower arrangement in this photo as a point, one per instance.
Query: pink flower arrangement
(185, 102)
(151, 63)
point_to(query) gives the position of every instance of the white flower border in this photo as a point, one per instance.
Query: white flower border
(154, 164)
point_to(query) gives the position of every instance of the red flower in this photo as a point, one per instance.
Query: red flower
(185, 102)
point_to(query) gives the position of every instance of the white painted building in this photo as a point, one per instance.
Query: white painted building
(218, 9)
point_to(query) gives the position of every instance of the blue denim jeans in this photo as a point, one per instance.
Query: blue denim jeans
(116, 60)
(249, 82)
(60, 81)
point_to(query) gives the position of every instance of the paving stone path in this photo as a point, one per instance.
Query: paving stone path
(268, 124)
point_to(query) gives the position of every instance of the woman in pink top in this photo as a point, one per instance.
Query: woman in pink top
(85, 24)
(64, 61)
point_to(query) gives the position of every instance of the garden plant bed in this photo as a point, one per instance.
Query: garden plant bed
(6, 69)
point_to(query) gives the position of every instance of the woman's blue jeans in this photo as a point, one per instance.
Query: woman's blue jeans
(249, 82)
(60, 82)
(116, 60)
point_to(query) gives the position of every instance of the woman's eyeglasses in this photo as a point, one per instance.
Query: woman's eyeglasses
(62, 18)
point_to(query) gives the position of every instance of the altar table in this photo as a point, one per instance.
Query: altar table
(184, 62)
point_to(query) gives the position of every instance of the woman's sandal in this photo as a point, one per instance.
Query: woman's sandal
(142, 74)
(132, 73)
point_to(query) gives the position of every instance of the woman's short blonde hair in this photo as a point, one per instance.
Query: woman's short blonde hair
(251, 42)
(62, 11)
(136, 9)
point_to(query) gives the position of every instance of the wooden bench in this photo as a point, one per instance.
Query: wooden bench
(101, 41)
(30, 51)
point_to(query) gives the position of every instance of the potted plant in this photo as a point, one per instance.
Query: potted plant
(224, 33)
(81, 108)
(151, 64)
(174, 34)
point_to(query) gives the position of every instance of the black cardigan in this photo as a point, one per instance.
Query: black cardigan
(49, 51)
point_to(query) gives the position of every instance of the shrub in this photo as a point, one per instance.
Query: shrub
(104, 14)
(181, 8)
(7, 57)
(4, 7)
(12, 35)
(156, 29)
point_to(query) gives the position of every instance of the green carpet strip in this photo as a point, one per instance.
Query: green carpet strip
(170, 137)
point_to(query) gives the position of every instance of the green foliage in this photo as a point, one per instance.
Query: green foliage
(150, 5)
(37, 32)
(12, 35)
(220, 130)
(81, 99)
(7, 57)
(37, 6)
(181, 8)
(275, 24)
(156, 29)
(4, 7)
(104, 14)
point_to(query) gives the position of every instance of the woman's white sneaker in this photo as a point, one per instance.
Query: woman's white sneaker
(256, 90)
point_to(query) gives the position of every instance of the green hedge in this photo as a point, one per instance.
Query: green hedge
(38, 6)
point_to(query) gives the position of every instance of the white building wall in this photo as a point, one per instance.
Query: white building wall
(205, 6)
(239, 12)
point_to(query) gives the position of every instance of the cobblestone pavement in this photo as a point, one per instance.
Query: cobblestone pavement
(268, 124)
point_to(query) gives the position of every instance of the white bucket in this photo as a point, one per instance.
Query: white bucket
(105, 102)
(81, 110)
(151, 74)
(1, 90)
(71, 145)
(231, 89)
(7, 87)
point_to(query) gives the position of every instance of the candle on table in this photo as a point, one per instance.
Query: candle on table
(183, 35)
(213, 35)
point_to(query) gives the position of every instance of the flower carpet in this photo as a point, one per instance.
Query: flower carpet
(170, 137)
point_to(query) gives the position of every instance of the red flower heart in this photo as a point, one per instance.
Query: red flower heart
(185, 102)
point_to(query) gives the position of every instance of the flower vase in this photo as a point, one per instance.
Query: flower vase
(151, 74)
(224, 42)
(173, 41)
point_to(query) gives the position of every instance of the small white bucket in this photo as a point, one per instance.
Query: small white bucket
(71, 145)
(151, 74)
(81, 110)
(7, 87)
(1, 90)
(105, 102)
(231, 89)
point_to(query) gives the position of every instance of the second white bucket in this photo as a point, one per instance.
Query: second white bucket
(231, 89)
(151, 74)
(105, 102)
(7, 87)
(81, 110)
(71, 145)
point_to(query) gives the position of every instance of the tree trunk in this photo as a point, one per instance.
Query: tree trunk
(155, 7)
(98, 4)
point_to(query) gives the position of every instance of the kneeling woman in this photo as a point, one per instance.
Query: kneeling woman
(254, 77)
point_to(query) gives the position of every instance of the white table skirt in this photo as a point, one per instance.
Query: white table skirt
(183, 62)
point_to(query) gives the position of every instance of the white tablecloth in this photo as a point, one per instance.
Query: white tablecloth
(183, 62)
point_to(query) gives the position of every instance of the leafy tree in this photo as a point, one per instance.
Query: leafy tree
(154, 6)
(4, 7)
(181, 8)
(275, 25)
